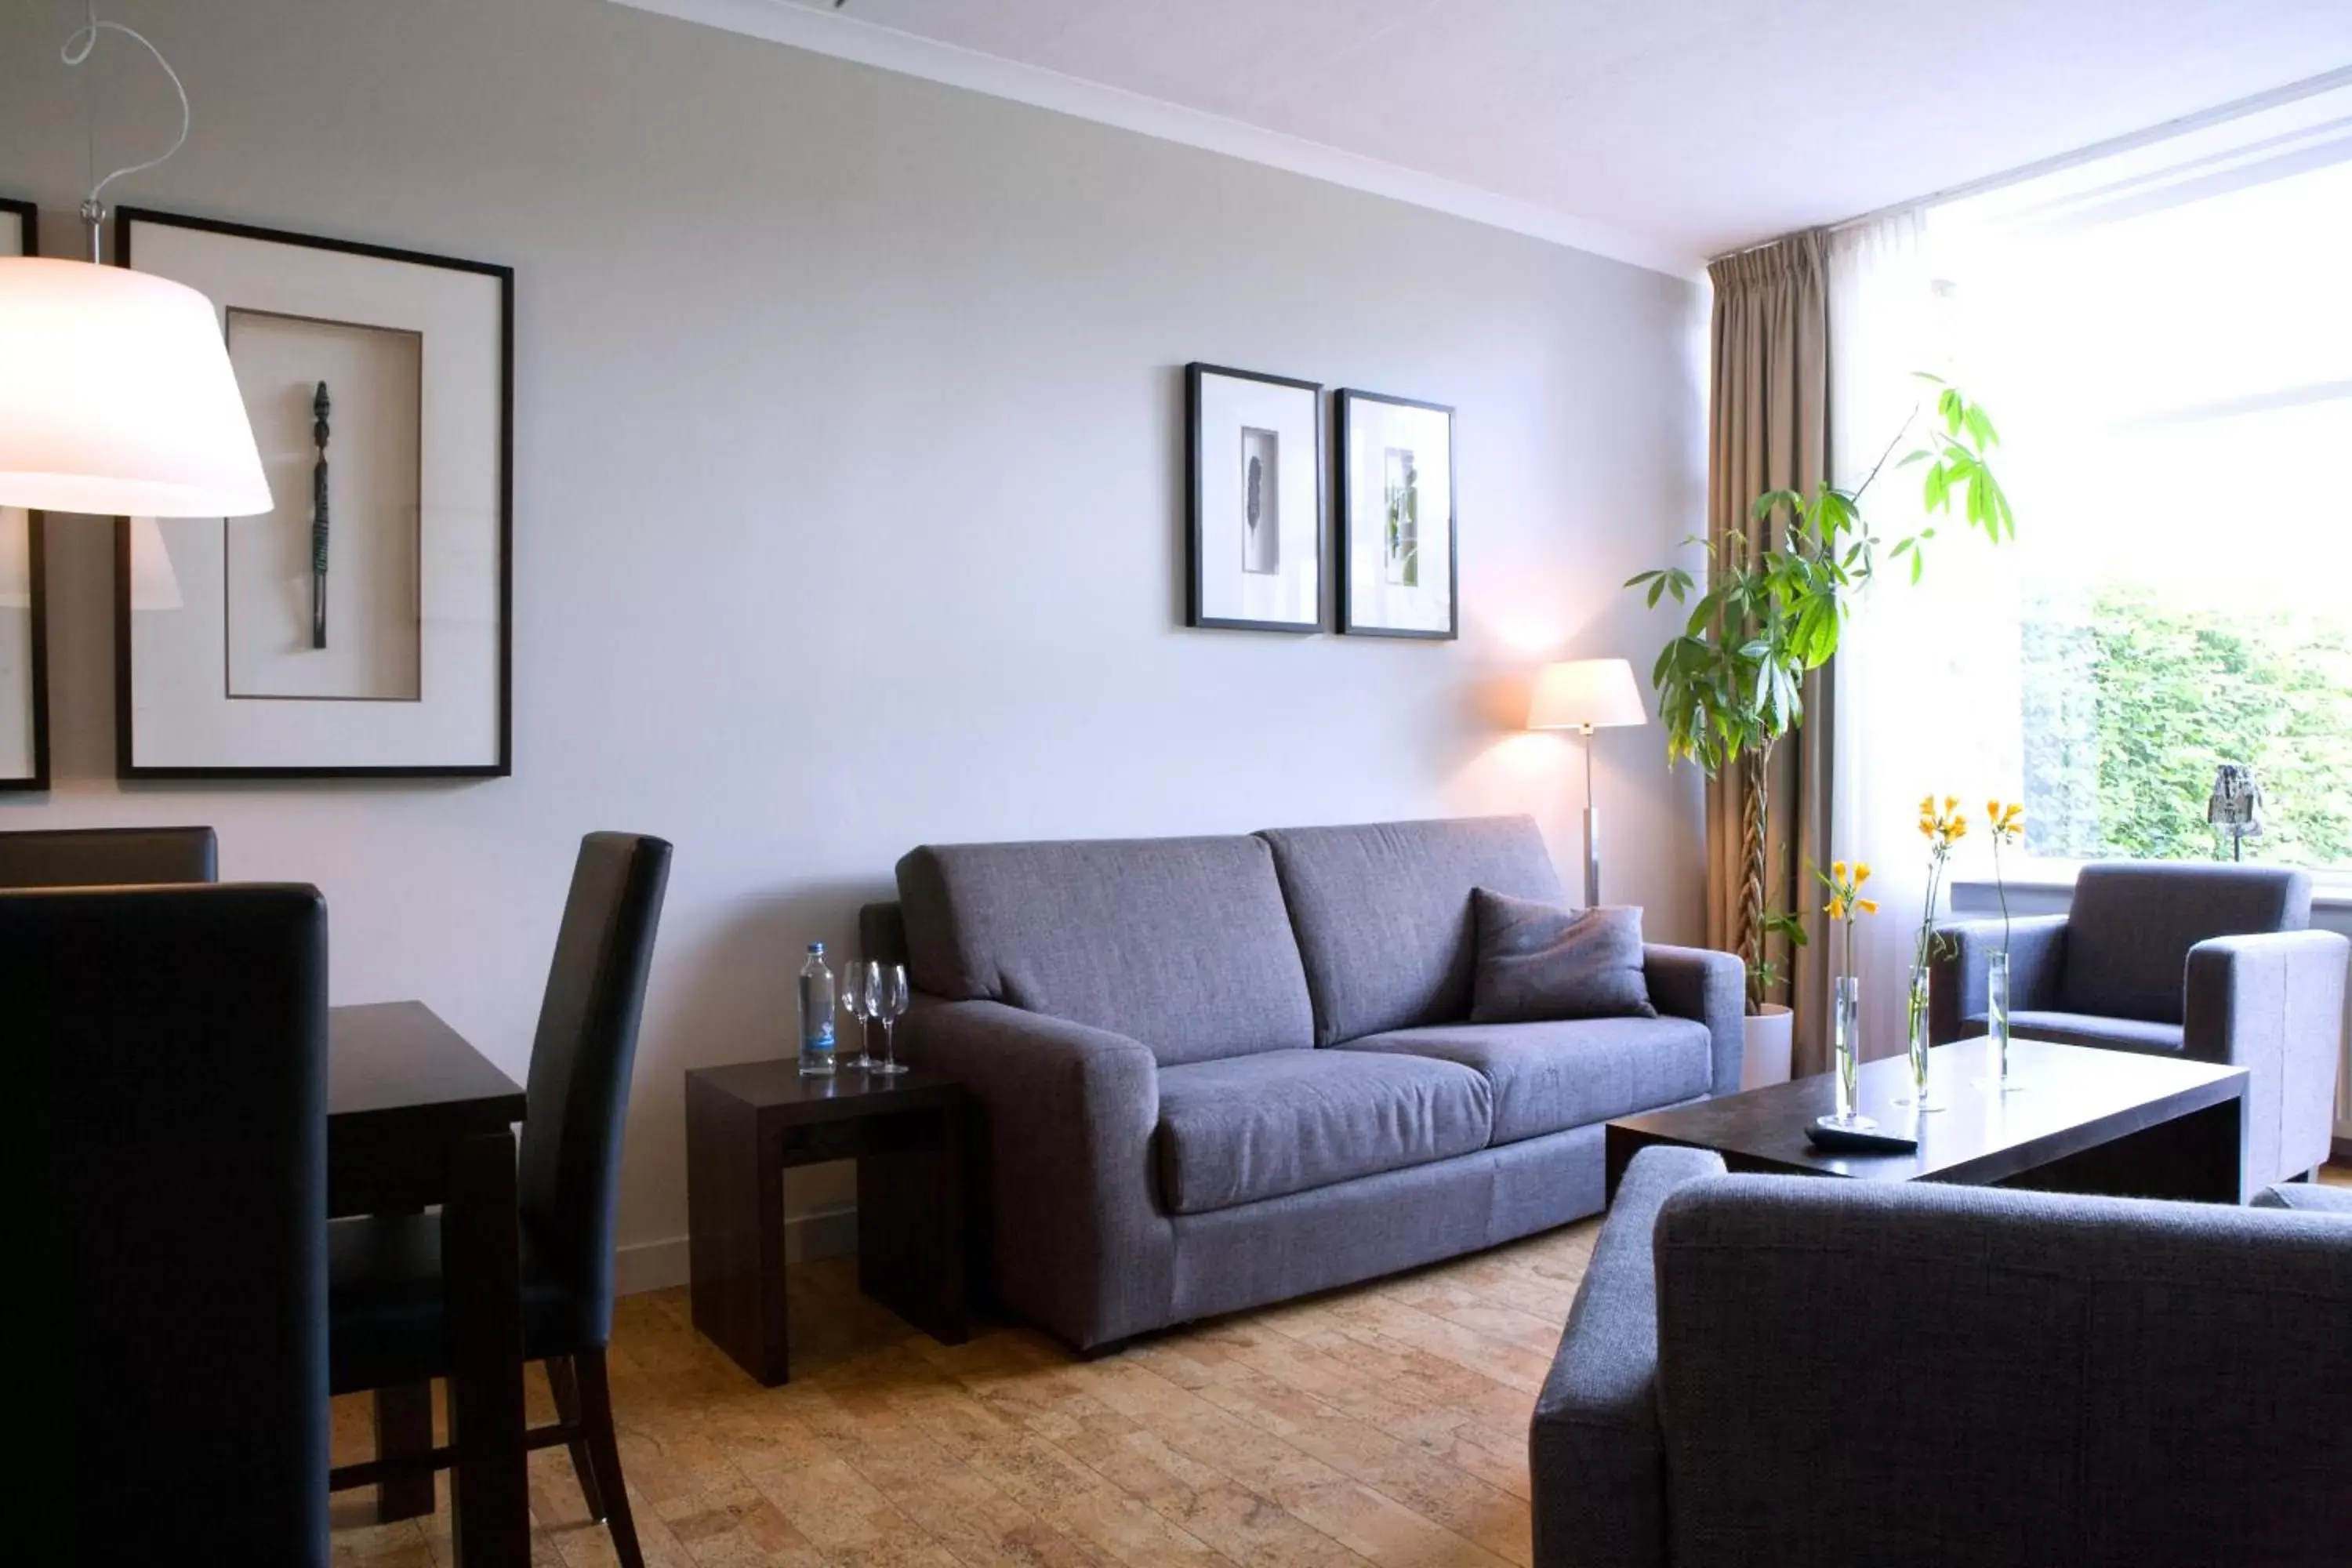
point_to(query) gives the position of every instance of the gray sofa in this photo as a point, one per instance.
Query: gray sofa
(1791, 1369)
(1212, 1073)
(2215, 964)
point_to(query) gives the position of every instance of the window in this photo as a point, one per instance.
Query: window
(2168, 346)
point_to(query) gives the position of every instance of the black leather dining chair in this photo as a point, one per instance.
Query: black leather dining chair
(165, 1052)
(108, 857)
(385, 1294)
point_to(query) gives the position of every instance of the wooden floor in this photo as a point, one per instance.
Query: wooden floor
(1384, 1425)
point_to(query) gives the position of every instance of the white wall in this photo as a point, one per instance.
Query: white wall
(848, 490)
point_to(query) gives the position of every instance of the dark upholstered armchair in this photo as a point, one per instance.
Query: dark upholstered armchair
(2211, 963)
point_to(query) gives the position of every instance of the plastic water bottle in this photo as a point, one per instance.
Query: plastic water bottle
(817, 1013)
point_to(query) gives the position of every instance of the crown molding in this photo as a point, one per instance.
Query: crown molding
(886, 49)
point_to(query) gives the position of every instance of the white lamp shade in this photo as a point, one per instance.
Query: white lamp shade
(117, 398)
(1586, 693)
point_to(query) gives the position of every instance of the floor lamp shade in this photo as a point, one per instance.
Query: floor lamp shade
(117, 397)
(1586, 694)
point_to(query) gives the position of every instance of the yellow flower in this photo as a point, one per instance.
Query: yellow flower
(1951, 803)
(1862, 873)
(1927, 825)
(1868, 906)
(1837, 871)
(1927, 806)
(1836, 909)
(1959, 828)
(1992, 811)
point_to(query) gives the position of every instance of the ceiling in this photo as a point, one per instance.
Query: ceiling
(1662, 131)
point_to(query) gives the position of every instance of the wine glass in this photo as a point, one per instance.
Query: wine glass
(888, 1001)
(857, 1001)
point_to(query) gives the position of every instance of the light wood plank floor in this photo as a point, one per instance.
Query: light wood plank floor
(1384, 1425)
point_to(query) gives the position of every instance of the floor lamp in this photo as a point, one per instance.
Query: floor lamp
(1585, 695)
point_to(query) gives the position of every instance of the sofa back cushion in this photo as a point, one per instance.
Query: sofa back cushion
(2131, 926)
(1382, 913)
(1181, 943)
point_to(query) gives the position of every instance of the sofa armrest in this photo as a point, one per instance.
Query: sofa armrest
(1596, 1458)
(1963, 958)
(1695, 983)
(2273, 1005)
(1065, 1115)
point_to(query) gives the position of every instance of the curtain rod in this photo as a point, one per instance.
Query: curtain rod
(2328, 81)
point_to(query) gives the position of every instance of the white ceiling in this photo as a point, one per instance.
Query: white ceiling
(1662, 132)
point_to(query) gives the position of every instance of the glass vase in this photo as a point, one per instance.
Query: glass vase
(1845, 1050)
(1915, 1014)
(1997, 1016)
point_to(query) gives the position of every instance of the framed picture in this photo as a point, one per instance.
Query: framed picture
(1397, 527)
(1253, 500)
(23, 594)
(362, 627)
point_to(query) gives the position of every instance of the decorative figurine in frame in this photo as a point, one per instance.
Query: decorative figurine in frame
(362, 627)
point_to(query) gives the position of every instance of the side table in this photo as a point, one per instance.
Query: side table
(745, 1124)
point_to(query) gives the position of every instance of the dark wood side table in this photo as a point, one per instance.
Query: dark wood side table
(745, 1124)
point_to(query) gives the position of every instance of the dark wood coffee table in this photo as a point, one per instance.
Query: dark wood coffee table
(2078, 1120)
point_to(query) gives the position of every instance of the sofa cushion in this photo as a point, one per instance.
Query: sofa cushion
(2130, 927)
(2082, 1029)
(1246, 1127)
(1382, 913)
(1550, 1077)
(1537, 961)
(1181, 943)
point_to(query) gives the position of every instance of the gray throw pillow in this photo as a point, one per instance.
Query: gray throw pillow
(1536, 962)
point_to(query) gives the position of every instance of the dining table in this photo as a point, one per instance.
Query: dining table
(416, 1117)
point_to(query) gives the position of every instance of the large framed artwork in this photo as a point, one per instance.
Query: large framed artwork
(1253, 500)
(1398, 552)
(23, 594)
(363, 626)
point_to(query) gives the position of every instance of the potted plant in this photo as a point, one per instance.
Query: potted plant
(1730, 686)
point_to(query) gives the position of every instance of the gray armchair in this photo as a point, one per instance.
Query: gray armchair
(2211, 963)
(1802, 1370)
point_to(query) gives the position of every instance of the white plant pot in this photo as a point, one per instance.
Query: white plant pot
(1767, 1058)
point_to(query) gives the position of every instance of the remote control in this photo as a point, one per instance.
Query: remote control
(1828, 1135)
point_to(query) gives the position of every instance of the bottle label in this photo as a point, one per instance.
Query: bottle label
(819, 1039)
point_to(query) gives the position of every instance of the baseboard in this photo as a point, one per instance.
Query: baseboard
(659, 1265)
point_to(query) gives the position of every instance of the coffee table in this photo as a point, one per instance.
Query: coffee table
(2078, 1120)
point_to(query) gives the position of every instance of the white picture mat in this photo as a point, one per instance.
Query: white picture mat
(1227, 404)
(1373, 602)
(374, 389)
(182, 714)
(16, 747)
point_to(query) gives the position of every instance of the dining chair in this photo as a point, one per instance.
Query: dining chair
(108, 857)
(385, 1288)
(166, 1054)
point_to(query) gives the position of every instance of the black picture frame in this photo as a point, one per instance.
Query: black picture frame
(1195, 532)
(1349, 623)
(503, 766)
(28, 217)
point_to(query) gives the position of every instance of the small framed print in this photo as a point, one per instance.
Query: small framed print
(361, 627)
(1253, 500)
(23, 594)
(1398, 551)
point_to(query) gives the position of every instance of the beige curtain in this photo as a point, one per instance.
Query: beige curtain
(1768, 430)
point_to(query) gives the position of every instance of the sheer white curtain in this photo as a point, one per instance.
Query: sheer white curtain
(1924, 670)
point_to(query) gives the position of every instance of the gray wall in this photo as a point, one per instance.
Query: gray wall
(848, 492)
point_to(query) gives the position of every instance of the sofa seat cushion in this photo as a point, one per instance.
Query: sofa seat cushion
(2087, 1029)
(1550, 1077)
(1252, 1127)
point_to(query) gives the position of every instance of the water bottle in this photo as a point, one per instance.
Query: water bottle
(817, 1013)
